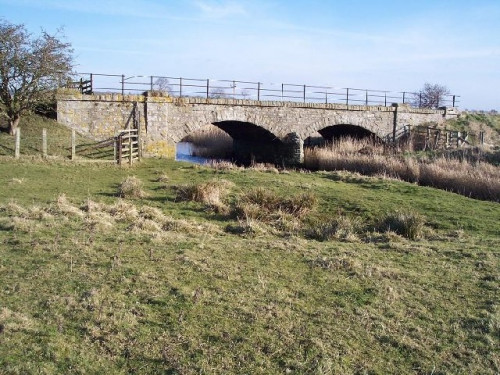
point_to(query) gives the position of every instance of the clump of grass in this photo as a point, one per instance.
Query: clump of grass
(244, 227)
(222, 165)
(162, 177)
(408, 224)
(211, 193)
(131, 188)
(66, 208)
(264, 167)
(341, 227)
(283, 214)
(122, 211)
(258, 203)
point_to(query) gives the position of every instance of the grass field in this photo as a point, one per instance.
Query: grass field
(206, 272)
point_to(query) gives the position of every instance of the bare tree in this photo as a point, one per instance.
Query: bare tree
(431, 96)
(31, 68)
(218, 93)
(163, 85)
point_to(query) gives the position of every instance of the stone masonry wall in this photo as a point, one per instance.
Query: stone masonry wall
(168, 120)
(98, 116)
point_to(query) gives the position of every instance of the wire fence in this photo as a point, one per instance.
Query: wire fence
(72, 146)
(96, 83)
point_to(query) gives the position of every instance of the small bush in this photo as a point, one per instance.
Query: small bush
(407, 224)
(131, 187)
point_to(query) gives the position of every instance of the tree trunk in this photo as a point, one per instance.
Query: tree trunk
(13, 124)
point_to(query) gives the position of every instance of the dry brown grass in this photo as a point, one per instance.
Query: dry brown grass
(476, 180)
(131, 188)
(341, 227)
(211, 193)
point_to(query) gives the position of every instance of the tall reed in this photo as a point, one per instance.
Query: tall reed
(477, 180)
(211, 142)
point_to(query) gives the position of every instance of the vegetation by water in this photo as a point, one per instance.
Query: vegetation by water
(200, 270)
(477, 179)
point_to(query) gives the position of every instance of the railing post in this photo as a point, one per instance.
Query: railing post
(91, 83)
(404, 97)
(44, 142)
(123, 84)
(17, 150)
(258, 91)
(347, 97)
(419, 100)
(366, 97)
(453, 101)
(326, 96)
(304, 93)
(151, 83)
(385, 99)
(282, 91)
(208, 88)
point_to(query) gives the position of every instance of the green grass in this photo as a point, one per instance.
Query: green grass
(95, 284)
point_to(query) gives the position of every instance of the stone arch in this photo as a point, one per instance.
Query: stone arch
(241, 130)
(356, 125)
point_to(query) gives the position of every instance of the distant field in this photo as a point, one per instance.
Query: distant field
(209, 273)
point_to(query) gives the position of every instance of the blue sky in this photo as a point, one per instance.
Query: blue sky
(389, 45)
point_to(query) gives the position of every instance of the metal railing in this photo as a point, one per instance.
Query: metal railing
(234, 89)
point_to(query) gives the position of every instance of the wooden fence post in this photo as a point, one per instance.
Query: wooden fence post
(44, 143)
(17, 151)
(73, 144)
(139, 144)
(119, 149)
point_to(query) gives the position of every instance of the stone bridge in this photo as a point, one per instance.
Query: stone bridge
(272, 131)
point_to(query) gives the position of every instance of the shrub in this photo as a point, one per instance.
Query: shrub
(407, 224)
(131, 187)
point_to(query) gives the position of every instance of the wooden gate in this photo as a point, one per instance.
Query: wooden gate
(128, 141)
(127, 146)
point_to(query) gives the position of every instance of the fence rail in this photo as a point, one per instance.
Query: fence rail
(433, 138)
(222, 88)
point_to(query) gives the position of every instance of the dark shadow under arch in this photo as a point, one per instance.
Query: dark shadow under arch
(241, 130)
(331, 133)
(252, 143)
